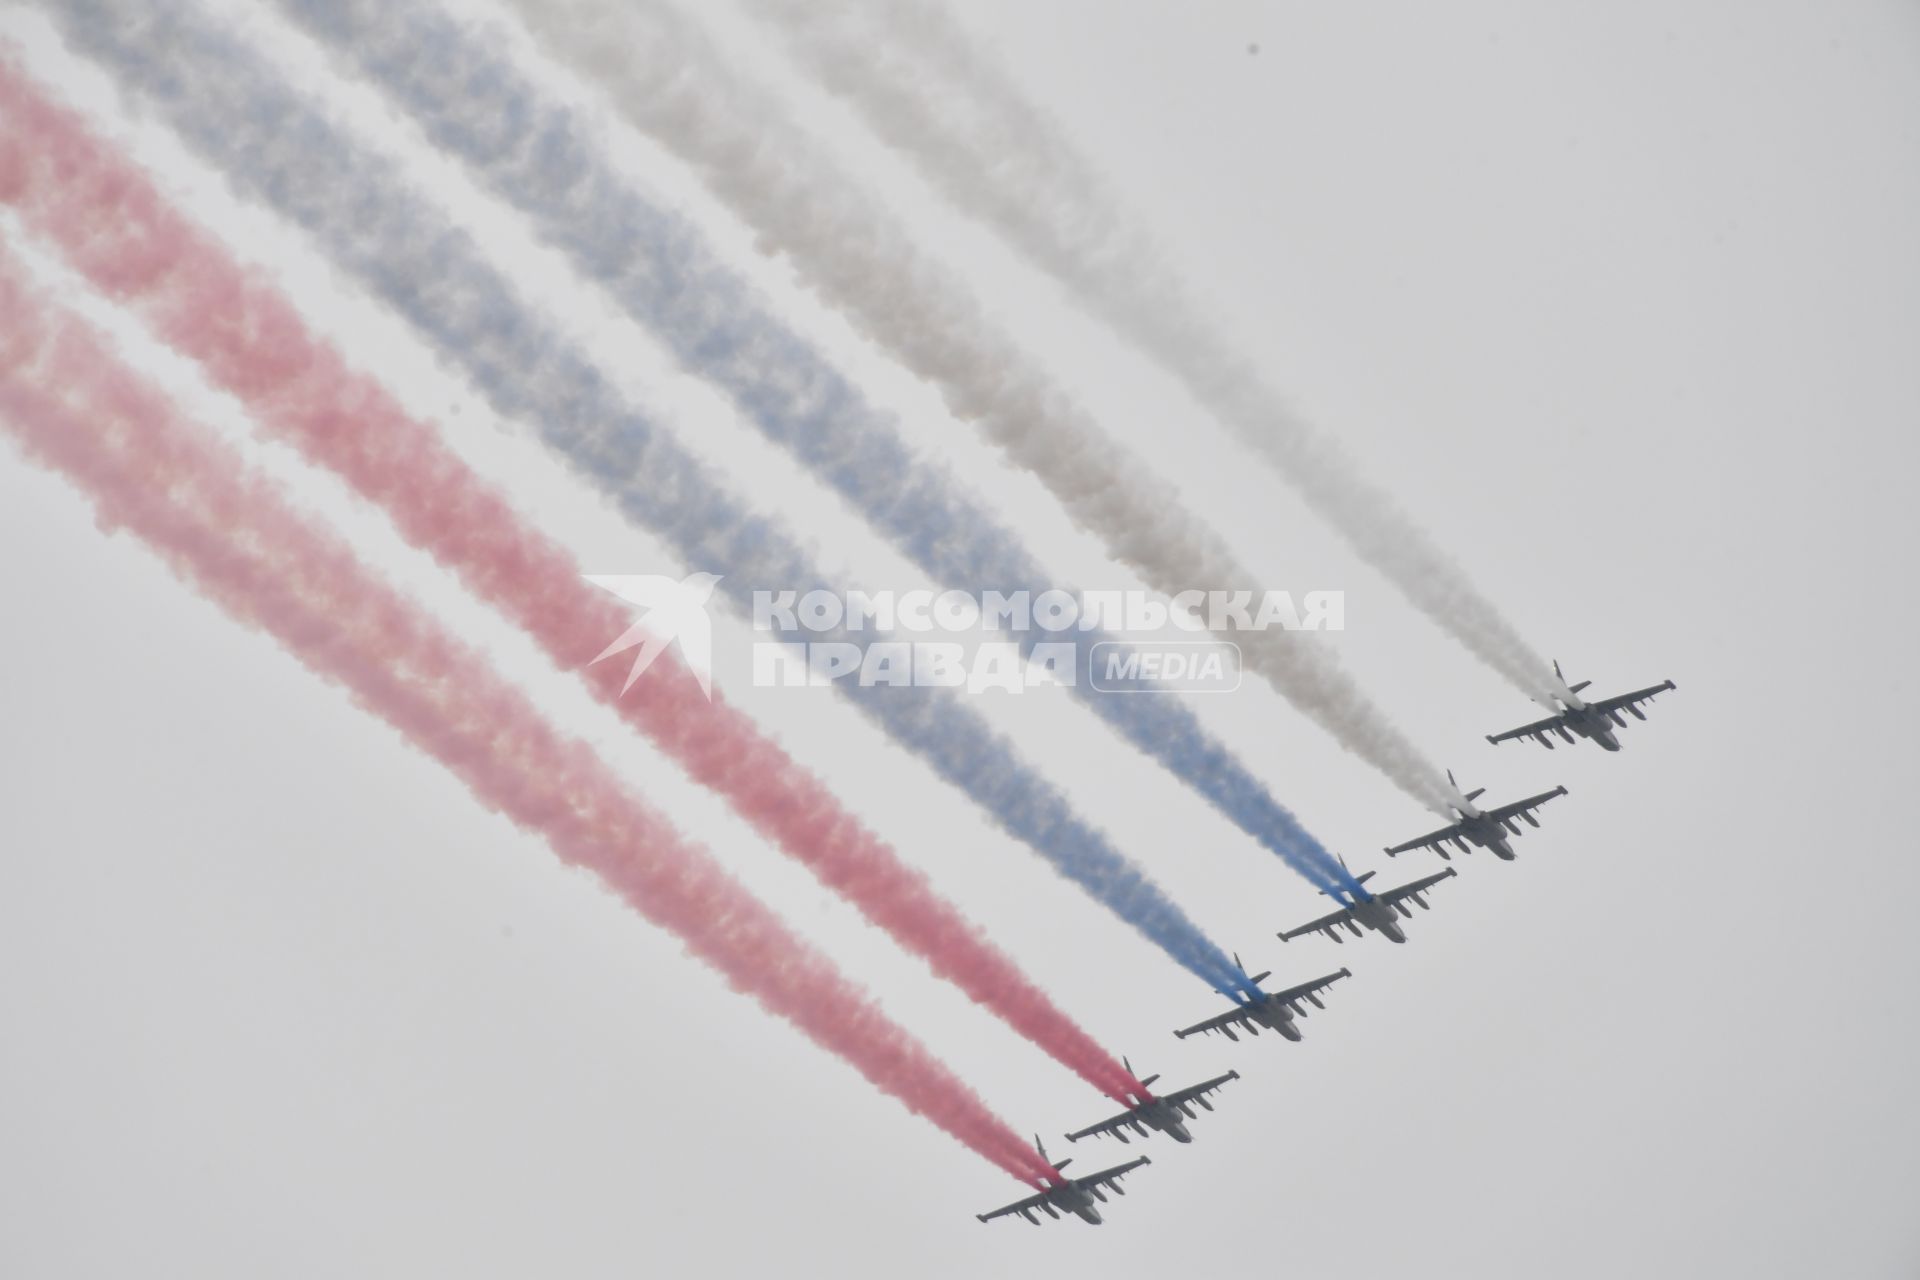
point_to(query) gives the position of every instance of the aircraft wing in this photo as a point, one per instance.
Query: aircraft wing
(1111, 1177)
(1310, 991)
(1116, 1127)
(1524, 808)
(1538, 729)
(1195, 1092)
(1223, 1022)
(1024, 1208)
(1629, 702)
(1435, 840)
(1328, 924)
(1414, 888)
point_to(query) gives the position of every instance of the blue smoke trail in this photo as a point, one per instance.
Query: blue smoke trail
(282, 150)
(538, 155)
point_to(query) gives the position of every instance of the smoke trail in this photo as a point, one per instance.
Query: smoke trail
(278, 148)
(227, 532)
(925, 87)
(470, 99)
(117, 230)
(667, 80)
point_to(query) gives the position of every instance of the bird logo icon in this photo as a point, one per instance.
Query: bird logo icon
(670, 610)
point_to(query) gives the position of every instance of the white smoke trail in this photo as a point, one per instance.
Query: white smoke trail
(922, 84)
(665, 78)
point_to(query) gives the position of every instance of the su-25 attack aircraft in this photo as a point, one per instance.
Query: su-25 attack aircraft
(1479, 828)
(1167, 1112)
(1379, 912)
(1075, 1195)
(1276, 1011)
(1595, 721)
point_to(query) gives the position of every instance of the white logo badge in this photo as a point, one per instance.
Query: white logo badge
(670, 611)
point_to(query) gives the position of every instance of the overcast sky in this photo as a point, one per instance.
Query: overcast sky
(1623, 302)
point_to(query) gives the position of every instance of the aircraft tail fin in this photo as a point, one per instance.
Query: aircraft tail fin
(1339, 894)
(1570, 688)
(1469, 796)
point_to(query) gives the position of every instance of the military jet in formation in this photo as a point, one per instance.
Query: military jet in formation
(1276, 1011)
(1478, 828)
(1360, 910)
(1167, 1113)
(1079, 1196)
(1594, 721)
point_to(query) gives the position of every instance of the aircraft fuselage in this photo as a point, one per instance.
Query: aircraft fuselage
(1484, 832)
(1075, 1199)
(1274, 1015)
(1592, 725)
(1381, 917)
(1166, 1117)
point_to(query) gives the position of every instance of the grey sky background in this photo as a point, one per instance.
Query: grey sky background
(1623, 301)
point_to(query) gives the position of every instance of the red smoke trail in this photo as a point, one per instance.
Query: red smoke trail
(115, 228)
(227, 531)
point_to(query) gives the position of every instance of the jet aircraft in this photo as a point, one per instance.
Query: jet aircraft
(1594, 721)
(1276, 1010)
(1478, 828)
(1075, 1195)
(1361, 910)
(1167, 1112)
